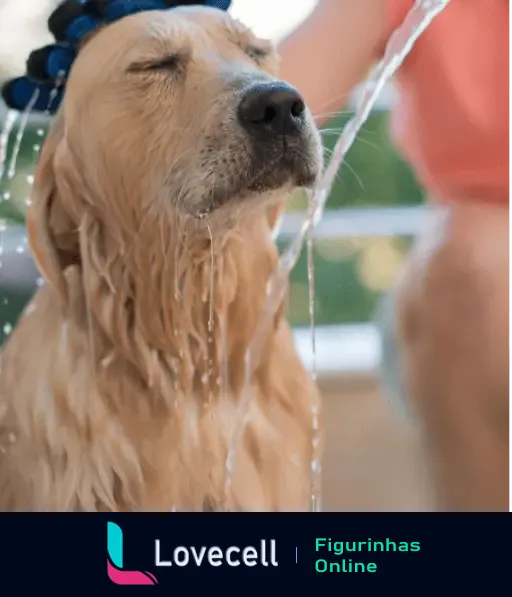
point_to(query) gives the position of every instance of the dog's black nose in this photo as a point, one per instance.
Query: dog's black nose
(274, 107)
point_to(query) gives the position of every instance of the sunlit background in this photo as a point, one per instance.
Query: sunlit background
(374, 211)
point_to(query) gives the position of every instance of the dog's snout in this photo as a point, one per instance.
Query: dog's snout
(275, 107)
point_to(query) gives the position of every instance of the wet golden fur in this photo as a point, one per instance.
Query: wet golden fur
(113, 391)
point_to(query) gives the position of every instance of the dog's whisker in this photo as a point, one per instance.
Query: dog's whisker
(336, 100)
(357, 177)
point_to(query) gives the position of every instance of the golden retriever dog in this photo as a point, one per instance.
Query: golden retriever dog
(151, 221)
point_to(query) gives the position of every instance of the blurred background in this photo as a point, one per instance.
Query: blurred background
(373, 461)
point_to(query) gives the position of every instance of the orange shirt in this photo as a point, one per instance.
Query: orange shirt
(451, 122)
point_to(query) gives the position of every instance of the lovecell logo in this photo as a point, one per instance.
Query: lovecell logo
(115, 569)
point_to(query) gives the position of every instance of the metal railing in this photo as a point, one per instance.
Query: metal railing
(364, 222)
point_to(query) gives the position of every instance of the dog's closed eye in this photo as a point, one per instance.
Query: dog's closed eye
(258, 54)
(173, 62)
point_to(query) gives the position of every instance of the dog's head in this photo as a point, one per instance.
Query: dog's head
(176, 110)
(185, 104)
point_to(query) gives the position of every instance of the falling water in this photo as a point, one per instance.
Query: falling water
(277, 226)
(23, 125)
(212, 284)
(51, 99)
(21, 131)
(316, 467)
(311, 283)
(10, 121)
(224, 358)
(398, 47)
(59, 82)
(211, 313)
(3, 227)
(177, 275)
(238, 428)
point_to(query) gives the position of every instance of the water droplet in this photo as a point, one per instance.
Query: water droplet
(28, 202)
(21, 131)
(30, 179)
(40, 132)
(6, 196)
(40, 282)
(5, 133)
(19, 249)
(30, 308)
(7, 329)
(36, 148)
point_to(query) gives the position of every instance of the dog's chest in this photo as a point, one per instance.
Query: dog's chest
(188, 469)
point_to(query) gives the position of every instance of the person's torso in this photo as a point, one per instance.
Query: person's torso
(451, 121)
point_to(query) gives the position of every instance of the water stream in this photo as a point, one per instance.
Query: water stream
(5, 134)
(398, 47)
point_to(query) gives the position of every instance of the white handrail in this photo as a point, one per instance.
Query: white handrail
(364, 222)
(18, 268)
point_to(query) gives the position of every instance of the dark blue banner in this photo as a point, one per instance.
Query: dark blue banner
(402, 552)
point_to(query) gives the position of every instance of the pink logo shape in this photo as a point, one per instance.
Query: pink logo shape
(129, 577)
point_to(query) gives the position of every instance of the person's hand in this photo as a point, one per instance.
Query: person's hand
(332, 51)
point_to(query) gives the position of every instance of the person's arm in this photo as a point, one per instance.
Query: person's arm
(332, 51)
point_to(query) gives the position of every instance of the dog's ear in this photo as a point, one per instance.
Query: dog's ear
(51, 232)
